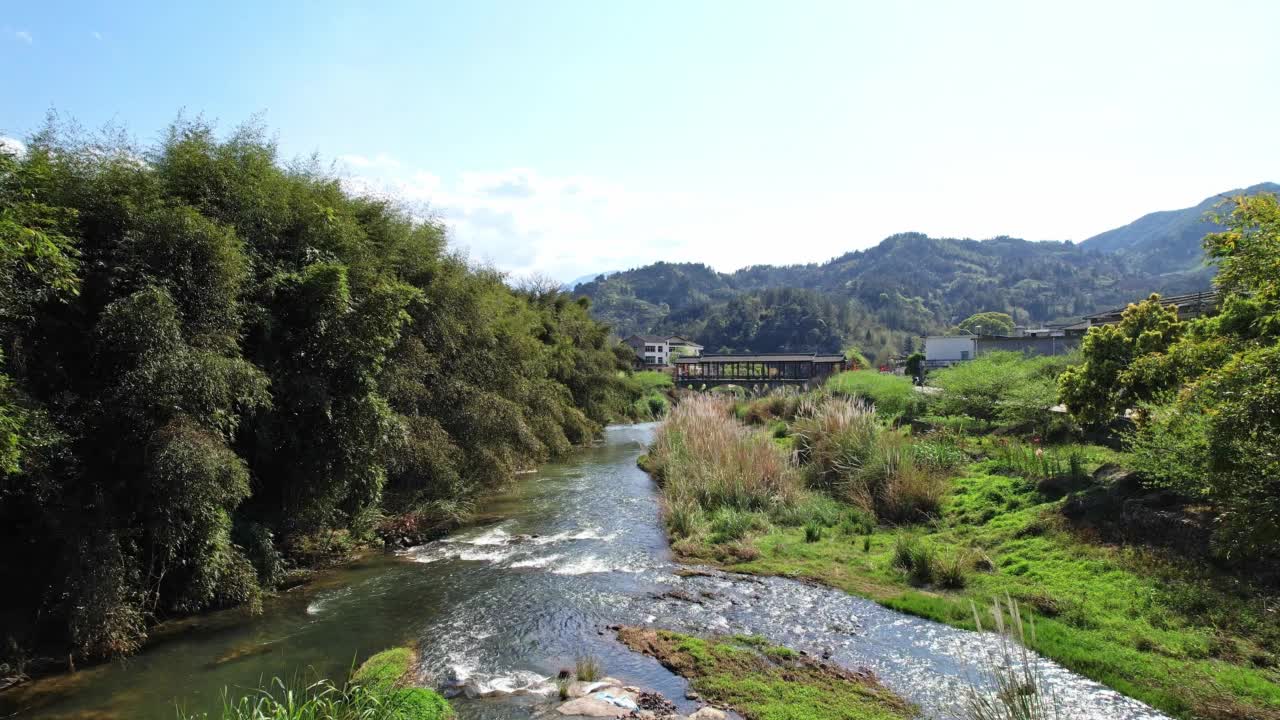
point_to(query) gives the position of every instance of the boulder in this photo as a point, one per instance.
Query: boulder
(708, 713)
(591, 707)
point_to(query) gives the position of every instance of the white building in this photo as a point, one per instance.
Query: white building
(944, 350)
(661, 350)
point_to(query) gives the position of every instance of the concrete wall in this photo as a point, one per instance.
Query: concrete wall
(1028, 345)
(949, 348)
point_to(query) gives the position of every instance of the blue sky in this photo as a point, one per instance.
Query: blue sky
(573, 137)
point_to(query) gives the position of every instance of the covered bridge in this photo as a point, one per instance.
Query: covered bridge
(758, 368)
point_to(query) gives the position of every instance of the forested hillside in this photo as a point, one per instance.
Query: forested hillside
(215, 364)
(877, 299)
(1170, 240)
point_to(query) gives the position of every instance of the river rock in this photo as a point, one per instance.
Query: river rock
(592, 707)
(708, 713)
(578, 689)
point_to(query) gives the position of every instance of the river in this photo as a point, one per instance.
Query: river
(570, 550)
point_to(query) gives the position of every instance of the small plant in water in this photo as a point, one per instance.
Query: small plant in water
(1014, 687)
(587, 668)
(562, 684)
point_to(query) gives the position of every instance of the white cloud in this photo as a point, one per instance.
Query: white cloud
(96, 35)
(524, 222)
(24, 35)
(13, 145)
(363, 162)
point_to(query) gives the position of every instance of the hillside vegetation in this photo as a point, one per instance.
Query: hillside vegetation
(217, 366)
(909, 285)
(1169, 240)
(877, 299)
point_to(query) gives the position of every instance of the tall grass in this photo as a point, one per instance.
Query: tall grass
(893, 485)
(323, 700)
(703, 457)
(834, 440)
(1018, 690)
(588, 668)
(845, 451)
(779, 404)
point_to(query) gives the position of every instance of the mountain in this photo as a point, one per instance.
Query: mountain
(569, 286)
(1169, 240)
(910, 284)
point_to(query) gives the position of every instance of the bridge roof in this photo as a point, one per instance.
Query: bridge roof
(760, 357)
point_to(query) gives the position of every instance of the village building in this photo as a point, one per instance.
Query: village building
(661, 350)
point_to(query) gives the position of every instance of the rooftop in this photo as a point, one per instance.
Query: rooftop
(761, 357)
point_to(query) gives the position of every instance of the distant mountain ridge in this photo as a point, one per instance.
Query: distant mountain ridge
(1169, 240)
(908, 285)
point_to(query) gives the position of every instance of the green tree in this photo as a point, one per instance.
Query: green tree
(915, 364)
(1104, 385)
(988, 323)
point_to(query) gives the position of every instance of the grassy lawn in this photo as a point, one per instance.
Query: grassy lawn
(1163, 632)
(765, 682)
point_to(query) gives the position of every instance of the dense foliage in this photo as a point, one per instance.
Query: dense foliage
(1206, 390)
(1003, 389)
(209, 357)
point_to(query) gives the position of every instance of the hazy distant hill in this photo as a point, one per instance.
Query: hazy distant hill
(909, 284)
(1169, 240)
(569, 286)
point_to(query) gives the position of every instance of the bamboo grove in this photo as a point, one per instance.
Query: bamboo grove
(210, 356)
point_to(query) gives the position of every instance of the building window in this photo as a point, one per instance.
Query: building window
(964, 354)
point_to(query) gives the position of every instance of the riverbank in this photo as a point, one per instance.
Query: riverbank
(1172, 633)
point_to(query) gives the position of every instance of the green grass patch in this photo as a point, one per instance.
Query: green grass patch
(765, 682)
(1168, 633)
(383, 671)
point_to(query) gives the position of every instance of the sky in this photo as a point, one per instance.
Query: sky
(569, 138)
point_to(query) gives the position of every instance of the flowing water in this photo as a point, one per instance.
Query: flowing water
(576, 547)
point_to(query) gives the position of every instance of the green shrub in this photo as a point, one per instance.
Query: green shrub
(1003, 387)
(648, 381)
(938, 455)
(924, 565)
(905, 547)
(951, 571)
(683, 519)
(812, 507)
(894, 396)
(729, 524)
(812, 532)
(657, 405)
(857, 521)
